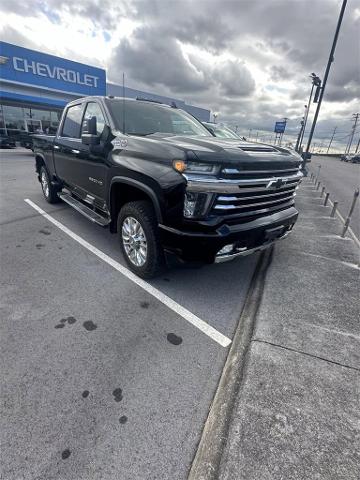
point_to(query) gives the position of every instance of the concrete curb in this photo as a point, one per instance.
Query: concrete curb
(206, 463)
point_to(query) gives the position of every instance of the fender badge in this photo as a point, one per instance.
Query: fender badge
(122, 143)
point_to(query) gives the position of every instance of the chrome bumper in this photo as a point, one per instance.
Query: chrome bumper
(246, 251)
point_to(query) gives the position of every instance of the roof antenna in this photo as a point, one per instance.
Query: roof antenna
(123, 85)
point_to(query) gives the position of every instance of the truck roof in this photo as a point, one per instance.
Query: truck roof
(111, 97)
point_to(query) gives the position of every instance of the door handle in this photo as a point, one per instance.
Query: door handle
(75, 151)
(56, 147)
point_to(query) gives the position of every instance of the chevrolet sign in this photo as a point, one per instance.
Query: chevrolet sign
(44, 70)
(22, 66)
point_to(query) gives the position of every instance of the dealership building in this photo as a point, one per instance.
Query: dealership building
(35, 87)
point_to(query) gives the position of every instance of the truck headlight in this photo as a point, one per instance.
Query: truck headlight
(196, 204)
(195, 167)
(204, 168)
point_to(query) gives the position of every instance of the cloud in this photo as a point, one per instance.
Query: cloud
(247, 60)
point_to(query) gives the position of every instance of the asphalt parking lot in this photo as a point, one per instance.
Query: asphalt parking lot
(103, 377)
(341, 179)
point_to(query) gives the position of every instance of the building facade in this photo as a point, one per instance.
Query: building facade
(35, 87)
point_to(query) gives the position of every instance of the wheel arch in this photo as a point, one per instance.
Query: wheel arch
(123, 190)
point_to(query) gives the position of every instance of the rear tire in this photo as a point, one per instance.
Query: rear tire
(49, 191)
(140, 239)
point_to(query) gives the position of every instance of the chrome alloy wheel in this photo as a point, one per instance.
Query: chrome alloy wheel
(45, 184)
(134, 241)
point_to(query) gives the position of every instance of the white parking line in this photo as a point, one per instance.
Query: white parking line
(183, 312)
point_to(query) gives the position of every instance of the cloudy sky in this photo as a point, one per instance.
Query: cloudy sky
(247, 60)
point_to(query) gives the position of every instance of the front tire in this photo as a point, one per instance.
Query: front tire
(49, 191)
(140, 240)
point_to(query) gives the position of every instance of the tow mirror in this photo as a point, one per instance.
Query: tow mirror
(89, 134)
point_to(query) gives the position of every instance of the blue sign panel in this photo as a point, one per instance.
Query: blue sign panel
(280, 127)
(23, 66)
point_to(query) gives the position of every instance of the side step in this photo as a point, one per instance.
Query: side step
(84, 210)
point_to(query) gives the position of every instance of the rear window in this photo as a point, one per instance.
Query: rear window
(72, 122)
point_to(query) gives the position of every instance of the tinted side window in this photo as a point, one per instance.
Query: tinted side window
(71, 126)
(93, 110)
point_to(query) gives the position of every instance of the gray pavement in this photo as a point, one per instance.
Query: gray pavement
(100, 380)
(341, 179)
(297, 413)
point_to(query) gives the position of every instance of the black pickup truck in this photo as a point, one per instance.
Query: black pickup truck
(156, 176)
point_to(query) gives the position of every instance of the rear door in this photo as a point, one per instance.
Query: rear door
(77, 165)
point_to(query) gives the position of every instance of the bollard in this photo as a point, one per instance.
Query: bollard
(318, 185)
(347, 222)
(332, 214)
(326, 199)
(318, 174)
(322, 192)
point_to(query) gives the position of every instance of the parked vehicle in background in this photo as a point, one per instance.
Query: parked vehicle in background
(220, 130)
(6, 141)
(355, 158)
(26, 140)
(156, 176)
(345, 158)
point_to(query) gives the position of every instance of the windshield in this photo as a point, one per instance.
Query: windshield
(222, 131)
(143, 118)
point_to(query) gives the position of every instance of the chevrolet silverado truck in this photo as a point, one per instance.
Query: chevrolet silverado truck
(156, 176)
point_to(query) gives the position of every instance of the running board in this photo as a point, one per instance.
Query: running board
(84, 210)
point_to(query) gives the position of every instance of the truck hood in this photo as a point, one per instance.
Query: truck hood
(230, 151)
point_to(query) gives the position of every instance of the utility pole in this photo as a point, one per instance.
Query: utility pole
(356, 118)
(257, 134)
(331, 59)
(332, 136)
(250, 130)
(357, 146)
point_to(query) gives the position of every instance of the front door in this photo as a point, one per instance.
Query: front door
(82, 171)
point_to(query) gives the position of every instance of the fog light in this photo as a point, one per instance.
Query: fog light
(195, 204)
(189, 204)
(227, 249)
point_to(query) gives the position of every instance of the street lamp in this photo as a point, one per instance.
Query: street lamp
(316, 82)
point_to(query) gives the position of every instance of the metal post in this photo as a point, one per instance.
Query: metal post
(322, 192)
(331, 59)
(318, 185)
(307, 114)
(318, 173)
(347, 223)
(333, 211)
(326, 199)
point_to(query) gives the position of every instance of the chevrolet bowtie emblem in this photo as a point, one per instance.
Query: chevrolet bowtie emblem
(3, 60)
(276, 183)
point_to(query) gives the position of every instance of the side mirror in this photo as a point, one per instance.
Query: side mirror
(89, 134)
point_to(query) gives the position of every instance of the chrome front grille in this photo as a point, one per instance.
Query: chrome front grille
(257, 196)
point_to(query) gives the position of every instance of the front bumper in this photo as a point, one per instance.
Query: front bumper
(245, 237)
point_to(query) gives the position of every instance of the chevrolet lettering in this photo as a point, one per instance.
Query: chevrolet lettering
(44, 70)
(176, 189)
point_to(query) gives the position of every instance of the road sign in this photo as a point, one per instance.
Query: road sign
(280, 127)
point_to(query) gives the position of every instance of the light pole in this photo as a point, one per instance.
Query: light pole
(316, 82)
(322, 89)
(301, 132)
